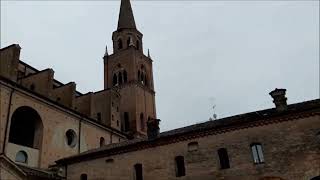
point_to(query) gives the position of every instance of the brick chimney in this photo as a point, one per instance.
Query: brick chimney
(153, 128)
(279, 99)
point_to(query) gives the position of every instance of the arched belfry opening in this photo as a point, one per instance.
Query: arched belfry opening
(26, 127)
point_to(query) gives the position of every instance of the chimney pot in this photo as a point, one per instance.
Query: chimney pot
(279, 99)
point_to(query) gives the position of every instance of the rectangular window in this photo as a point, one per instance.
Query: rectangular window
(138, 171)
(223, 158)
(99, 117)
(257, 153)
(180, 168)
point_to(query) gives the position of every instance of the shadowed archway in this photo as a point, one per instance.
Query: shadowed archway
(26, 127)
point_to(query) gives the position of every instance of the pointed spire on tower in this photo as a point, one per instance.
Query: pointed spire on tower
(149, 54)
(106, 52)
(126, 19)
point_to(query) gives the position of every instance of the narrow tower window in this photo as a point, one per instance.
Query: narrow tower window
(138, 75)
(114, 80)
(126, 121)
(180, 168)
(138, 171)
(128, 41)
(99, 117)
(223, 158)
(119, 44)
(120, 78)
(102, 141)
(257, 153)
(125, 78)
(141, 121)
(142, 78)
(138, 45)
(145, 80)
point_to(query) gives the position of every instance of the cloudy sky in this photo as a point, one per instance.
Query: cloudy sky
(225, 53)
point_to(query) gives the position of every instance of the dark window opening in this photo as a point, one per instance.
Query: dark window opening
(118, 123)
(138, 75)
(114, 80)
(126, 121)
(142, 78)
(32, 87)
(138, 171)
(83, 177)
(99, 117)
(145, 80)
(128, 41)
(26, 127)
(142, 121)
(119, 44)
(223, 158)
(120, 78)
(180, 168)
(257, 153)
(21, 157)
(138, 45)
(102, 141)
(125, 78)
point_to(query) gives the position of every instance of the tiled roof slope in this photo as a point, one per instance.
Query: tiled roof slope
(251, 119)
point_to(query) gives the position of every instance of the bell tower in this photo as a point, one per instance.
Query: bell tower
(130, 72)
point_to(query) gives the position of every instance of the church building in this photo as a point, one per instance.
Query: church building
(51, 131)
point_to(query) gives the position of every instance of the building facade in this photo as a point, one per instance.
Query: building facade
(49, 130)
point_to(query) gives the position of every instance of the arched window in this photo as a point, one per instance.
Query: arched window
(71, 138)
(138, 45)
(120, 44)
(145, 80)
(142, 77)
(128, 41)
(26, 127)
(180, 168)
(138, 171)
(125, 77)
(138, 75)
(102, 141)
(22, 157)
(223, 158)
(141, 121)
(257, 153)
(83, 177)
(126, 121)
(120, 78)
(114, 80)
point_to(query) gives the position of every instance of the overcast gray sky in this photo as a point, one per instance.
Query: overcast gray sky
(227, 53)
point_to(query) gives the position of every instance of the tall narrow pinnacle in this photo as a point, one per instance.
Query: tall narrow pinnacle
(126, 19)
